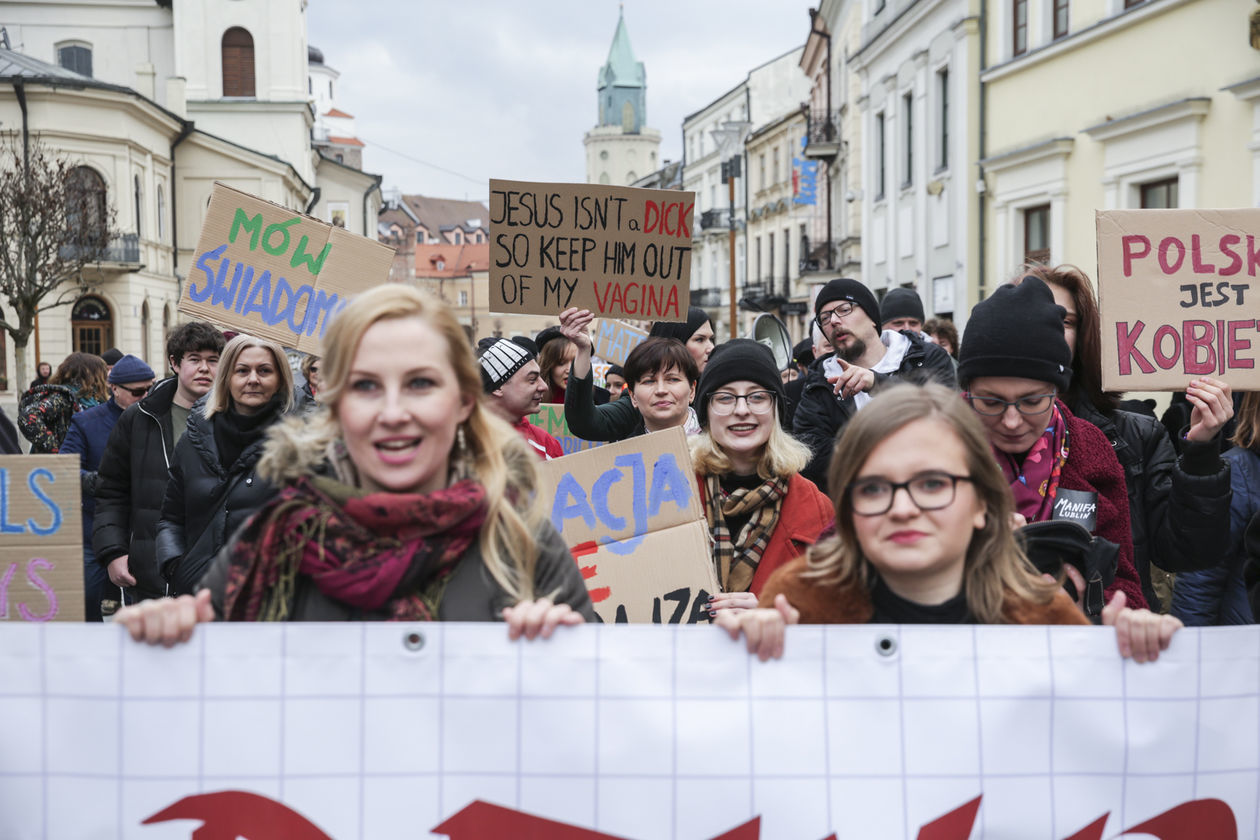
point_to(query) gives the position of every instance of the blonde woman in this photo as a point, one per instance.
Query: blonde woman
(213, 485)
(923, 536)
(761, 512)
(407, 500)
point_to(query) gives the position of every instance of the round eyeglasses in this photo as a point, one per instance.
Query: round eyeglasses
(724, 402)
(994, 407)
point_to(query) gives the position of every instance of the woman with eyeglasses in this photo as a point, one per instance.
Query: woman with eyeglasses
(761, 512)
(1179, 507)
(923, 536)
(1014, 364)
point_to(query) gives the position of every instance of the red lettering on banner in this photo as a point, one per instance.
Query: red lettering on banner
(1235, 261)
(1236, 344)
(1165, 245)
(1128, 351)
(1093, 831)
(644, 299)
(1196, 335)
(1202, 819)
(1166, 361)
(956, 825)
(228, 814)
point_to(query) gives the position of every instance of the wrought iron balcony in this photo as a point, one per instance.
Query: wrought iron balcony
(822, 134)
(121, 250)
(706, 297)
(820, 256)
(711, 219)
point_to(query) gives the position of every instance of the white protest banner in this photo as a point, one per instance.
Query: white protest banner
(630, 513)
(617, 251)
(613, 340)
(271, 272)
(550, 418)
(364, 731)
(1179, 299)
(41, 538)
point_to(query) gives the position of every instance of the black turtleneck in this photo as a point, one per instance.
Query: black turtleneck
(891, 608)
(234, 432)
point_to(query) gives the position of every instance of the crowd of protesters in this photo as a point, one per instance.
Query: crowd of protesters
(398, 481)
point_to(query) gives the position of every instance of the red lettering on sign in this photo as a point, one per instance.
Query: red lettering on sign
(1196, 335)
(1093, 831)
(1131, 253)
(956, 825)
(1128, 351)
(1237, 344)
(228, 814)
(1166, 361)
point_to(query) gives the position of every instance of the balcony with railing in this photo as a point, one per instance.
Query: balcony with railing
(714, 219)
(819, 256)
(121, 253)
(822, 134)
(706, 298)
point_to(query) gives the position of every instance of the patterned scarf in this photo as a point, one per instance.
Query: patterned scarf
(1035, 482)
(369, 550)
(737, 560)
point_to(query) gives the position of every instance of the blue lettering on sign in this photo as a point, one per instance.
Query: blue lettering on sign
(668, 484)
(271, 297)
(32, 482)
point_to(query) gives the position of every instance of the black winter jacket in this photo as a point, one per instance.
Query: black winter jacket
(821, 414)
(131, 483)
(1178, 506)
(205, 503)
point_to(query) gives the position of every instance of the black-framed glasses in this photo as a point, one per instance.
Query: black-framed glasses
(994, 407)
(842, 311)
(724, 402)
(135, 392)
(930, 490)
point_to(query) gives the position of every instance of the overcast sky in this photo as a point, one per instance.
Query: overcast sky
(506, 88)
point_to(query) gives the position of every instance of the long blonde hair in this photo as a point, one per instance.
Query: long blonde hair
(500, 459)
(783, 456)
(220, 396)
(995, 565)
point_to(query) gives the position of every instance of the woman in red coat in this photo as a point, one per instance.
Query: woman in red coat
(761, 513)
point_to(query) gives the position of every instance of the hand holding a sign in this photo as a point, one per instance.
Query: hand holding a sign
(1140, 634)
(1213, 407)
(848, 379)
(763, 629)
(166, 621)
(539, 619)
(575, 325)
(732, 602)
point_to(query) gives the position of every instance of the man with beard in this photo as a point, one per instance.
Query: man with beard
(839, 385)
(514, 388)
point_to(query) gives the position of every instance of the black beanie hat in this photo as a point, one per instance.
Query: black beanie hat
(844, 288)
(1017, 331)
(547, 334)
(738, 360)
(696, 318)
(901, 303)
(803, 352)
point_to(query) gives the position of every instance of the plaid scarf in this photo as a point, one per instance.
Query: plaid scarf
(1035, 481)
(369, 550)
(737, 560)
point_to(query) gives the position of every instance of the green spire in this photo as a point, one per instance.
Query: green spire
(621, 69)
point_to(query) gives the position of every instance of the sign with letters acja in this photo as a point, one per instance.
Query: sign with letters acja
(41, 538)
(617, 251)
(1179, 297)
(630, 513)
(275, 273)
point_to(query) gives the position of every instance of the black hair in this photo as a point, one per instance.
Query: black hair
(193, 337)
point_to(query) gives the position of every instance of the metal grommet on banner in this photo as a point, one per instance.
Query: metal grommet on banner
(413, 640)
(886, 645)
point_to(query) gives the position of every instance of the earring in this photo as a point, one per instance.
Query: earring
(462, 463)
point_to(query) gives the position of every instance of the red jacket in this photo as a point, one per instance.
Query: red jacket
(544, 444)
(806, 511)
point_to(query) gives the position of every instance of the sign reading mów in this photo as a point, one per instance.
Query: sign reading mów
(617, 251)
(630, 513)
(41, 538)
(1179, 297)
(274, 273)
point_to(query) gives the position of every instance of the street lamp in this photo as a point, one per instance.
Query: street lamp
(730, 137)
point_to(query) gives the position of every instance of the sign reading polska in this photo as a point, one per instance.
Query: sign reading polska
(271, 272)
(1179, 297)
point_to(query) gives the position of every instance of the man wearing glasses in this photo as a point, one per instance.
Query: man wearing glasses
(137, 457)
(129, 380)
(865, 357)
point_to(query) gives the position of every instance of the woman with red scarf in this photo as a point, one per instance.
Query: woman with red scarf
(1014, 363)
(408, 500)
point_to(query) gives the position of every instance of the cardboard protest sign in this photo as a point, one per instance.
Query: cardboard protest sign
(1179, 297)
(613, 340)
(616, 251)
(630, 512)
(41, 538)
(274, 273)
(550, 419)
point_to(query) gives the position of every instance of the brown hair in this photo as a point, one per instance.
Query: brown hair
(1087, 354)
(995, 565)
(655, 355)
(84, 371)
(551, 356)
(943, 328)
(1247, 432)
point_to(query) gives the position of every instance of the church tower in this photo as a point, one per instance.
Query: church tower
(620, 149)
